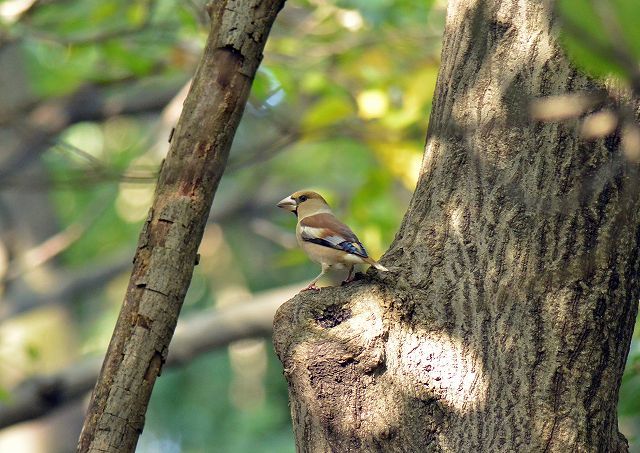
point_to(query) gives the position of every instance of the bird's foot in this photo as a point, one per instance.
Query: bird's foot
(311, 287)
(347, 281)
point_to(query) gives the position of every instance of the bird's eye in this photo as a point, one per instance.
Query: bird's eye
(303, 198)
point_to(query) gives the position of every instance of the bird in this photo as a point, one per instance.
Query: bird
(324, 238)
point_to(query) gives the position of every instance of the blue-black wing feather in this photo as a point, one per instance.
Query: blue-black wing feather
(340, 236)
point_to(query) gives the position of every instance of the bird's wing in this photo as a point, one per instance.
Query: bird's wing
(324, 229)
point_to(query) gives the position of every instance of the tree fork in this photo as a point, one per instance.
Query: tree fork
(506, 319)
(166, 252)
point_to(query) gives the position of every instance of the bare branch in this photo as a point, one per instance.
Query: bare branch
(57, 243)
(69, 285)
(46, 120)
(209, 330)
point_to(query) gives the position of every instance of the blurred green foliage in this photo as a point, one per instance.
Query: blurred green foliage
(340, 105)
(602, 37)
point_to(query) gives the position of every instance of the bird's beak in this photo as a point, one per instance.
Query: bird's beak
(288, 203)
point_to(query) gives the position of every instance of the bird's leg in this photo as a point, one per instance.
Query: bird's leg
(312, 285)
(350, 278)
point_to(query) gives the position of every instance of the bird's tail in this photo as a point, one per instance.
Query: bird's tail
(377, 265)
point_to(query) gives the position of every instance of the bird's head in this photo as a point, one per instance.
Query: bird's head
(304, 203)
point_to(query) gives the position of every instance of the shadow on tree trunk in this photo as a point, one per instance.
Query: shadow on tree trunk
(506, 319)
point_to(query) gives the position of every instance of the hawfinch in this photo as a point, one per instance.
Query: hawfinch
(324, 238)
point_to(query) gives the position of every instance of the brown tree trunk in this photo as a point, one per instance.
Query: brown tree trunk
(506, 320)
(166, 253)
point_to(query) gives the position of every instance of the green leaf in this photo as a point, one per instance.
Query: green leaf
(54, 69)
(628, 14)
(588, 38)
(33, 352)
(121, 54)
(5, 396)
(328, 110)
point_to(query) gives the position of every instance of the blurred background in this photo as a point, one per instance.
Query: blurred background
(89, 92)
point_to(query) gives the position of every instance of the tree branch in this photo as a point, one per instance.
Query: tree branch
(70, 284)
(202, 333)
(169, 240)
(56, 244)
(46, 120)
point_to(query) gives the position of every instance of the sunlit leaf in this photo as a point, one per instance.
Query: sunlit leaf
(372, 104)
(403, 159)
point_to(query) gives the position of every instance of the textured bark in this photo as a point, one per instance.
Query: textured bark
(166, 252)
(506, 320)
